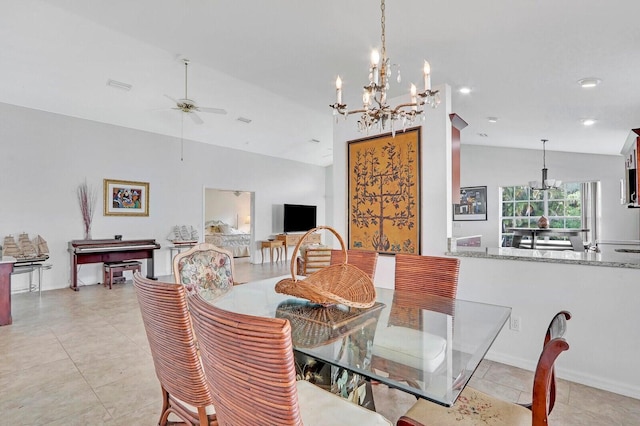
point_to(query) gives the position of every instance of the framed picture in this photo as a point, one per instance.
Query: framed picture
(384, 193)
(473, 204)
(126, 198)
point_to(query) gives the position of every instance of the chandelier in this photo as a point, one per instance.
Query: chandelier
(375, 111)
(545, 184)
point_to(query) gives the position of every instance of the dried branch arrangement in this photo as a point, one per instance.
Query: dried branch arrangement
(87, 201)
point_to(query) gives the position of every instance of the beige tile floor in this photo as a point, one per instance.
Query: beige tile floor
(81, 358)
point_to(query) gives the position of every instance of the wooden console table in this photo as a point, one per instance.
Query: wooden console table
(293, 239)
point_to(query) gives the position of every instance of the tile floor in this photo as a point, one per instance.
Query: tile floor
(82, 359)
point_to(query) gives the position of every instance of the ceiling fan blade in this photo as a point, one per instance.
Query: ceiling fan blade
(175, 101)
(196, 118)
(213, 110)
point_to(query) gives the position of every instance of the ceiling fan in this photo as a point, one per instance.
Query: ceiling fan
(189, 106)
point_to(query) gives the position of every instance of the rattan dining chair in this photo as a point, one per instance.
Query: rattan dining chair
(248, 360)
(365, 260)
(312, 259)
(204, 267)
(474, 407)
(415, 274)
(165, 314)
(430, 274)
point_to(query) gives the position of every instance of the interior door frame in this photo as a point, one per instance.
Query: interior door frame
(252, 198)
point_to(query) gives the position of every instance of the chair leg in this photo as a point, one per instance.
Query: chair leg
(202, 415)
(164, 414)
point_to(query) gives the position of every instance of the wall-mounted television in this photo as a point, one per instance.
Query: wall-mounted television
(299, 218)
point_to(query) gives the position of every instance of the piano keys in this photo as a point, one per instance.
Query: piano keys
(100, 251)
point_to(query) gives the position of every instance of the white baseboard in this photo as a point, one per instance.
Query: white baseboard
(626, 389)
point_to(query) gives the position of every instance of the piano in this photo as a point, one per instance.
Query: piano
(99, 251)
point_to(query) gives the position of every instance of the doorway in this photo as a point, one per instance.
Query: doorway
(227, 221)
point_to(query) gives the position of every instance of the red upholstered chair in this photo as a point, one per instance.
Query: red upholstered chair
(165, 314)
(430, 274)
(474, 407)
(249, 362)
(365, 260)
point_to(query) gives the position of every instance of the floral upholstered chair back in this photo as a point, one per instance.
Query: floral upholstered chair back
(204, 269)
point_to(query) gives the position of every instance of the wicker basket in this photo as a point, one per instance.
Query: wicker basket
(314, 325)
(340, 283)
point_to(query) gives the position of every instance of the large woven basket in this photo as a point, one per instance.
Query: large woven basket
(340, 283)
(314, 325)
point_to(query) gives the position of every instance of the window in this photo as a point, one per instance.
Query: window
(565, 207)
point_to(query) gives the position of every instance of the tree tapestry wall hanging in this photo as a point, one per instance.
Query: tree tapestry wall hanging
(384, 193)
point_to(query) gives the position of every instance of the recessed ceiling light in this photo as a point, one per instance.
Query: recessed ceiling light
(589, 82)
(492, 119)
(465, 90)
(588, 121)
(119, 85)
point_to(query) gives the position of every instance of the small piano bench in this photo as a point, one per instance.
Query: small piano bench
(113, 271)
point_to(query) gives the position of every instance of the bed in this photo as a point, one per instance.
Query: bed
(226, 237)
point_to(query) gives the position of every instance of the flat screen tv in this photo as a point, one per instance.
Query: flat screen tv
(299, 218)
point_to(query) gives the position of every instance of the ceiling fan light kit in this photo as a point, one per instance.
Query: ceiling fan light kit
(189, 106)
(375, 111)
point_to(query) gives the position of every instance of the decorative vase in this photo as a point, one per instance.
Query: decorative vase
(543, 222)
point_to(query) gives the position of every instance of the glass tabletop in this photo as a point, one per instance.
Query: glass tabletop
(425, 345)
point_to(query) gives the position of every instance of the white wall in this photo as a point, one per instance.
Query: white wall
(494, 167)
(46, 156)
(603, 334)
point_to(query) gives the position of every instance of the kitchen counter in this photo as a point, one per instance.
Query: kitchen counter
(612, 258)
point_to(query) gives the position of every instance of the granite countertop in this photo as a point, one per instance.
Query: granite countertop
(610, 258)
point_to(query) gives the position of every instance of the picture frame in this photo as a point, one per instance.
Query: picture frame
(384, 193)
(473, 204)
(126, 198)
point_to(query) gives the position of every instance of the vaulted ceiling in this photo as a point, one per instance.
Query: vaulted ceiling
(275, 63)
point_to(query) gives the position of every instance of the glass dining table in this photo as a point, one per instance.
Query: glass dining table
(425, 345)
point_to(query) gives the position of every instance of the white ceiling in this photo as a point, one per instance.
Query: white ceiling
(275, 62)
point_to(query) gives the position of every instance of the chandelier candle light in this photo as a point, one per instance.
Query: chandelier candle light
(375, 110)
(546, 183)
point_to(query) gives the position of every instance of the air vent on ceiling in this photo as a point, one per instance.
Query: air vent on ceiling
(483, 135)
(244, 120)
(119, 85)
(314, 140)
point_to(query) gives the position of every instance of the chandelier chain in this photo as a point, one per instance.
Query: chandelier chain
(383, 35)
(375, 110)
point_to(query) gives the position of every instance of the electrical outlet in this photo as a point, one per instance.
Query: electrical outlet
(514, 324)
